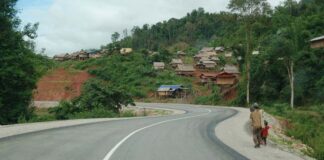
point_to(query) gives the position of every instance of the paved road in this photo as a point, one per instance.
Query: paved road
(187, 136)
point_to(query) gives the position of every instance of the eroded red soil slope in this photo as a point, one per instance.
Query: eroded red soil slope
(60, 84)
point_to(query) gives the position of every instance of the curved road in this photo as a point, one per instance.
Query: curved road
(188, 136)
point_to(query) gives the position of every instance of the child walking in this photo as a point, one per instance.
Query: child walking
(265, 132)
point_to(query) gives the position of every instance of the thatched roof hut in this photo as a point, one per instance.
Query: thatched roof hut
(185, 70)
(231, 69)
(158, 65)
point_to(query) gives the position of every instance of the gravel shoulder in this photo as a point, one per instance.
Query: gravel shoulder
(235, 133)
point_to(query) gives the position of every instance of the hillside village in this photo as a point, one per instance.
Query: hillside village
(204, 67)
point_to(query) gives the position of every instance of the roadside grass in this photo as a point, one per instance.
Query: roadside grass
(44, 114)
(305, 124)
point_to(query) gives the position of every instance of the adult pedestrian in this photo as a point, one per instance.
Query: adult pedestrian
(256, 124)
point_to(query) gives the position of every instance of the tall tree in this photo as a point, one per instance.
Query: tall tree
(250, 11)
(114, 37)
(17, 73)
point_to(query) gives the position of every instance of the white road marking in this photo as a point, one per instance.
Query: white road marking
(113, 150)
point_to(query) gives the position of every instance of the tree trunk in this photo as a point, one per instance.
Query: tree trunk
(292, 91)
(248, 64)
(290, 70)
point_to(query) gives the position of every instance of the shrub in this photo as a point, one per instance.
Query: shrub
(212, 99)
(63, 110)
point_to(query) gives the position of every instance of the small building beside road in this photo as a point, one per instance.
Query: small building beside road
(317, 42)
(169, 91)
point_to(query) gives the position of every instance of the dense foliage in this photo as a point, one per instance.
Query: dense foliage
(279, 34)
(18, 74)
(305, 124)
(133, 73)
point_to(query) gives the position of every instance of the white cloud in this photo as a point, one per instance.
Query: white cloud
(71, 25)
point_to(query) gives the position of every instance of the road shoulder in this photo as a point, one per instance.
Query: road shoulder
(235, 133)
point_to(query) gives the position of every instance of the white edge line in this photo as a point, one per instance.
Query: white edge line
(112, 151)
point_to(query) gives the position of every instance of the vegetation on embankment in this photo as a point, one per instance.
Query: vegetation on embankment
(20, 67)
(304, 123)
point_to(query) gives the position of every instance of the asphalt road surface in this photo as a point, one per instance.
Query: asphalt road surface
(188, 136)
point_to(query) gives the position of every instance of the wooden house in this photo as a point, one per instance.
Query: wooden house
(219, 49)
(181, 53)
(228, 54)
(83, 55)
(206, 64)
(94, 53)
(231, 69)
(158, 65)
(226, 79)
(61, 57)
(214, 58)
(207, 77)
(176, 62)
(317, 42)
(185, 70)
(169, 90)
(207, 49)
(204, 54)
(74, 56)
(125, 51)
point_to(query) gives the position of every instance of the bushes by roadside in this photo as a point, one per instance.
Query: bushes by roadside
(212, 99)
(305, 124)
(98, 99)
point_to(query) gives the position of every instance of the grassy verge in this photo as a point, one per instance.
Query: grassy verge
(303, 123)
(44, 114)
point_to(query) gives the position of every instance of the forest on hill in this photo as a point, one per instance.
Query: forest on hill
(280, 33)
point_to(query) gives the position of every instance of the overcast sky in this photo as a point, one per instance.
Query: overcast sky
(72, 25)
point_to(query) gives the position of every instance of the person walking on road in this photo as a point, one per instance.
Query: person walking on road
(256, 124)
(265, 132)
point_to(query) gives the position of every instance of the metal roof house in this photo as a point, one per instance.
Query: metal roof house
(169, 90)
(317, 42)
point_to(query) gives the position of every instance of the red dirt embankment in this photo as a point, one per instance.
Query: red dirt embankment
(60, 84)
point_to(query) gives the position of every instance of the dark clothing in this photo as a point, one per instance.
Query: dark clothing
(264, 139)
(257, 136)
